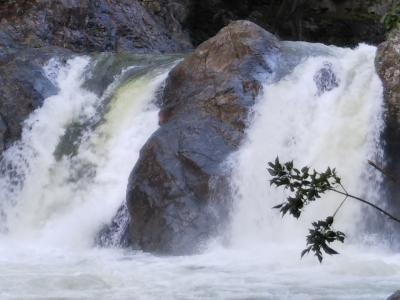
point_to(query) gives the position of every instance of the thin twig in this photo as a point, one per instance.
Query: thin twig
(368, 203)
(340, 206)
(341, 185)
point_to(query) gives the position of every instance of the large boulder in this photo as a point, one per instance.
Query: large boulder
(177, 194)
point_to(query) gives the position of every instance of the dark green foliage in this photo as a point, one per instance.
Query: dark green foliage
(306, 186)
(320, 236)
(392, 19)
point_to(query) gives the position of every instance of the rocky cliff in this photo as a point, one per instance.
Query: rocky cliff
(87, 25)
(388, 68)
(343, 23)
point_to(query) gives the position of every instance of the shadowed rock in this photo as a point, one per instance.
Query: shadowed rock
(178, 194)
(325, 79)
(395, 296)
(23, 88)
(388, 67)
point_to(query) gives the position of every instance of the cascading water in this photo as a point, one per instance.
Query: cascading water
(56, 190)
(67, 176)
(327, 112)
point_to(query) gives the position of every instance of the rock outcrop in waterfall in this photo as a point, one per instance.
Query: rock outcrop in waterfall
(177, 191)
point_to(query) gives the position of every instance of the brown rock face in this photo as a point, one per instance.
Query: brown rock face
(177, 193)
(388, 68)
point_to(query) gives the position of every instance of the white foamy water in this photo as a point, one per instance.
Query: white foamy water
(296, 121)
(61, 197)
(58, 195)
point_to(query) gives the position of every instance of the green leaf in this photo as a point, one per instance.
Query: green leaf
(278, 206)
(272, 172)
(305, 251)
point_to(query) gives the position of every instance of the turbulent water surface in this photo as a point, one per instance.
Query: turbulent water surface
(67, 176)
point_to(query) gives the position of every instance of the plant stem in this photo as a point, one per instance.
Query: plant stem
(368, 203)
(340, 206)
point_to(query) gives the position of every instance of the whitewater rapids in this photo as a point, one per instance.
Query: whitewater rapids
(68, 174)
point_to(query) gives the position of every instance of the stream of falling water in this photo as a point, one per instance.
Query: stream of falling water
(57, 195)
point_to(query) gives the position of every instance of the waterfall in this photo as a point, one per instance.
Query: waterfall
(328, 111)
(67, 175)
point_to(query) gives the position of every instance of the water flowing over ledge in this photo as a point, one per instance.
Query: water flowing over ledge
(67, 176)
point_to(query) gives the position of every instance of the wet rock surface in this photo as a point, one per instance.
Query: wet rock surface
(115, 234)
(174, 25)
(23, 88)
(87, 25)
(387, 64)
(388, 68)
(177, 193)
(325, 79)
(395, 296)
(3, 133)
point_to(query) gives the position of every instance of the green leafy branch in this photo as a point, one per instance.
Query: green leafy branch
(306, 186)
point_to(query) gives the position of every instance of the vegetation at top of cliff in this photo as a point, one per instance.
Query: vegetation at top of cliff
(306, 186)
(392, 19)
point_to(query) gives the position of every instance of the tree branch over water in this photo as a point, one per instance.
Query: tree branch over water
(306, 186)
